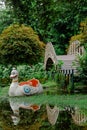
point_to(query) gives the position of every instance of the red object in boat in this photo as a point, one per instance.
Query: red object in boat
(31, 82)
(35, 107)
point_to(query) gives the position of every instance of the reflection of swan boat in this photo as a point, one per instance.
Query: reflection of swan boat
(29, 87)
(16, 105)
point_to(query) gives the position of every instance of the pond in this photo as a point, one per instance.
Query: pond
(18, 113)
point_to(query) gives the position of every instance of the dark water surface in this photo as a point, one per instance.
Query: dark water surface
(18, 114)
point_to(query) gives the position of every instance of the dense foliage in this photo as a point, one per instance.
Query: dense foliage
(6, 18)
(55, 20)
(26, 72)
(20, 44)
(82, 60)
(83, 67)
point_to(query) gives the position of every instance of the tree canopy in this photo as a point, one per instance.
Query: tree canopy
(55, 20)
(82, 60)
(20, 44)
(82, 36)
(6, 18)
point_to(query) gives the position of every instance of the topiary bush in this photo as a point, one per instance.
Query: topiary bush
(20, 44)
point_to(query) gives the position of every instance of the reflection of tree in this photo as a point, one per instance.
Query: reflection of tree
(5, 112)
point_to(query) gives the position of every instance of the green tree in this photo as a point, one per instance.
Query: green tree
(6, 18)
(82, 60)
(83, 67)
(67, 24)
(20, 44)
(55, 20)
(38, 14)
(82, 36)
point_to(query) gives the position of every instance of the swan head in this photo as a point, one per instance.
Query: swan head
(14, 73)
(15, 119)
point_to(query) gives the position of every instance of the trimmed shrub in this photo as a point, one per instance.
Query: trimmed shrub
(20, 44)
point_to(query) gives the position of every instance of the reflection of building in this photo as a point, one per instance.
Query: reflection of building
(52, 114)
(79, 117)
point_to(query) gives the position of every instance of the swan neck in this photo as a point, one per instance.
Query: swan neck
(15, 80)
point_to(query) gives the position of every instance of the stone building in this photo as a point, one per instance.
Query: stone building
(68, 60)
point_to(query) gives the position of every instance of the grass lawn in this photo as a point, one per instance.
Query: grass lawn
(4, 91)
